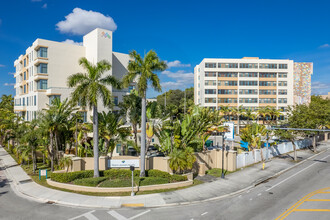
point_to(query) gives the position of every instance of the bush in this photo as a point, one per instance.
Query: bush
(116, 183)
(89, 181)
(117, 174)
(158, 173)
(177, 178)
(145, 181)
(69, 177)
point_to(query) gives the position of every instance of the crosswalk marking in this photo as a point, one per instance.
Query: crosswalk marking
(87, 215)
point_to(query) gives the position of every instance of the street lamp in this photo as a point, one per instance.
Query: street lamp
(223, 155)
(132, 169)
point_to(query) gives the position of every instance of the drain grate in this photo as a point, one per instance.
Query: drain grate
(50, 202)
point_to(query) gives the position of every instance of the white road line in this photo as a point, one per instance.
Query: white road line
(117, 216)
(87, 215)
(204, 213)
(295, 174)
(138, 215)
(259, 194)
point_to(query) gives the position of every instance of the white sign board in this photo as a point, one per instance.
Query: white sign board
(123, 163)
(43, 172)
(230, 134)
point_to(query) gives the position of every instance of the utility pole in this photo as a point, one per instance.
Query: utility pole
(223, 156)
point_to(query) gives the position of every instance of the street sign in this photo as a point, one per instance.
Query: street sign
(230, 134)
(42, 173)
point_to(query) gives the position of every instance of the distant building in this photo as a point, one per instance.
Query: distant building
(151, 100)
(326, 96)
(252, 83)
(42, 72)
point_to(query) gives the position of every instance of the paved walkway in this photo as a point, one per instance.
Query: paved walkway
(234, 183)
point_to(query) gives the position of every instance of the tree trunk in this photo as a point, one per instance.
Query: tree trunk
(107, 144)
(143, 135)
(294, 151)
(238, 125)
(76, 139)
(135, 134)
(51, 151)
(96, 141)
(34, 160)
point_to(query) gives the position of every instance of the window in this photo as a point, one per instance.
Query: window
(227, 91)
(248, 74)
(35, 100)
(210, 100)
(250, 108)
(42, 84)
(227, 100)
(24, 76)
(230, 74)
(267, 92)
(42, 68)
(210, 74)
(248, 83)
(248, 100)
(248, 92)
(130, 88)
(283, 109)
(210, 91)
(248, 65)
(27, 101)
(267, 75)
(24, 62)
(282, 92)
(115, 100)
(23, 101)
(84, 116)
(267, 100)
(267, 83)
(227, 83)
(282, 100)
(210, 82)
(282, 75)
(53, 97)
(24, 88)
(227, 65)
(210, 65)
(282, 83)
(268, 66)
(282, 66)
(42, 52)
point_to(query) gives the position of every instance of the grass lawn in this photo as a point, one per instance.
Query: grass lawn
(216, 172)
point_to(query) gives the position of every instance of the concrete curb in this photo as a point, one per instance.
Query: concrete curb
(18, 192)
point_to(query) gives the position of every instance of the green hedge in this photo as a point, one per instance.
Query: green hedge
(116, 183)
(177, 178)
(145, 181)
(89, 181)
(69, 177)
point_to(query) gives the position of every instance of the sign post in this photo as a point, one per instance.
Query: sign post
(132, 169)
(42, 173)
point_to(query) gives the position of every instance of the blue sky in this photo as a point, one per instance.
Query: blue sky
(181, 32)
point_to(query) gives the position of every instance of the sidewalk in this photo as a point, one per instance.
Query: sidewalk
(234, 183)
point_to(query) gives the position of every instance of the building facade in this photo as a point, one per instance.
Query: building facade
(42, 72)
(252, 83)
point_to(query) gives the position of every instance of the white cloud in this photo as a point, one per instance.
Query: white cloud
(324, 46)
(69, 41)
(176, 63)
(80, 22)
(319, 88)
(44, 5)
(9, 84)
(1, 65)
(182, 79)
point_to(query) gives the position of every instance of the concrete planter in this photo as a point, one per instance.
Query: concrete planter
(118, 189)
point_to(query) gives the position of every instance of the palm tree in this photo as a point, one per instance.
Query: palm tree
(89, 87)
(66, 162)
(264, 112)
(274, 115)
(144, 69)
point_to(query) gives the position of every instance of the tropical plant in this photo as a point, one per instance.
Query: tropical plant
(89, 87)
(143, 70)
(66, 162)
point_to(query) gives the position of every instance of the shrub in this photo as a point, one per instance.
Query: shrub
(69, 177)
(116, 183)
(158, 173)
(177, 178)
(89, 181)
(117, 173)
(145, 181)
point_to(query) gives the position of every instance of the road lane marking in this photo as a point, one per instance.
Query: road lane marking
(259, 194)
(295, 174)
(312, 210)
(299, 203)
(204, 213)
(87, 215)
(317, 200)
(138, 215)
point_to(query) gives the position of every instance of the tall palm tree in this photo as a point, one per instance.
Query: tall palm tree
(264, 112)
(89, 87)
(143, 70)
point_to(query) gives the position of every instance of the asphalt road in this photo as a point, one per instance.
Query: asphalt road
(296, 194)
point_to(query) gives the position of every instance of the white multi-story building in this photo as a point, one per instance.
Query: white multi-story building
(42, 72)
(252, 83)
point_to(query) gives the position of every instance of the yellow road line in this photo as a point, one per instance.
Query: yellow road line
(297, 204)
(317, 200)
(312, 210)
